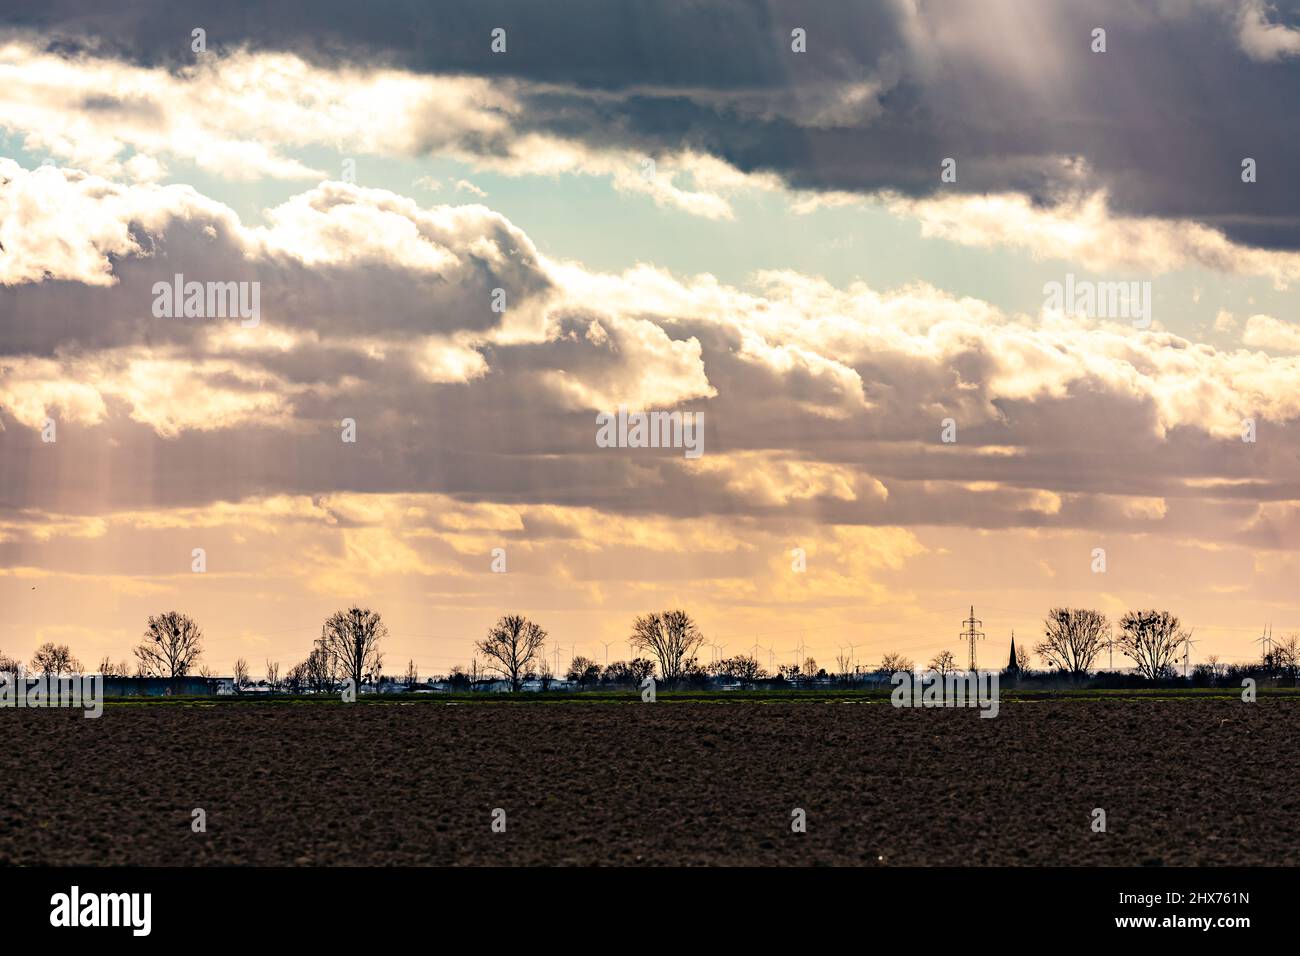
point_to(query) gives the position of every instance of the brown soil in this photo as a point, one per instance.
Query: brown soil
(1182, 782)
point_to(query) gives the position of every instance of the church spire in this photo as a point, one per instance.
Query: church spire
(1012, 665)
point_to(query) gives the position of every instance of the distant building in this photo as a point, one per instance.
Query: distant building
(167, 686)
(874, 678)
(1013, 666)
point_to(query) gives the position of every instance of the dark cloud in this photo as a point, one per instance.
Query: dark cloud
(1163, 118)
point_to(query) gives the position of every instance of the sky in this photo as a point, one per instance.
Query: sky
(828, 229)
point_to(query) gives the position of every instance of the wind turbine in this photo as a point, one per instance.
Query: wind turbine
(1187, 650)
(1266, 639)
(607, 643)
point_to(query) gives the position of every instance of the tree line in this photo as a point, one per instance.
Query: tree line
(1155, 641)
(349, 649)
(172, 648)
(513, 650)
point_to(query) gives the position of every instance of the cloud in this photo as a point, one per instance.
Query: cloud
(635, 363)
(464, 185)
(168, 392)
(818, 399)
(883, 93)
(823, 402)
(64, 224)
(1262, 40)
(1086, 231)
(236, 116)
(1266, 332)
(770, 480)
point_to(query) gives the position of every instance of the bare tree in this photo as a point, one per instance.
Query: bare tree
(544, 672)
(241, 675)
(171, 646)
(412, 674)
(322, 670)
(1151, 639)
(273, 675)
(1286, 655)
(9, 667)
(893, 663)
(583, 671)
(1074, 638)
(54, 659)
(108, 669)
(352, 638)
(511, 645)
(741, 667)
(1212, 662)
(944, 662)
(843, 664)
(1024, 659)
(296, 679)
(671, 636)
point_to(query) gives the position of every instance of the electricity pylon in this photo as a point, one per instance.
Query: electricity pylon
(972, 634)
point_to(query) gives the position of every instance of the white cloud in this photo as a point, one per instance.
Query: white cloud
(1266, 332)
(834, 353)
(464, 185)
(167, 391)
(64, 224)
(1261, 40)
(645, 369)
(240, 115)
(236, 115)
(1083, 230)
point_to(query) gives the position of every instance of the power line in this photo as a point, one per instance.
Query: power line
(972, 634)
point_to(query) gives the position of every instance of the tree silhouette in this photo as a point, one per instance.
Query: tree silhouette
(320, 671)
(55, 659)
(511, 646)
(893, 663)
(1073, 639)
(671, 636)
(944, 662)
(583, 671)
(1151, 639)
(171, 646)
(352, 638)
